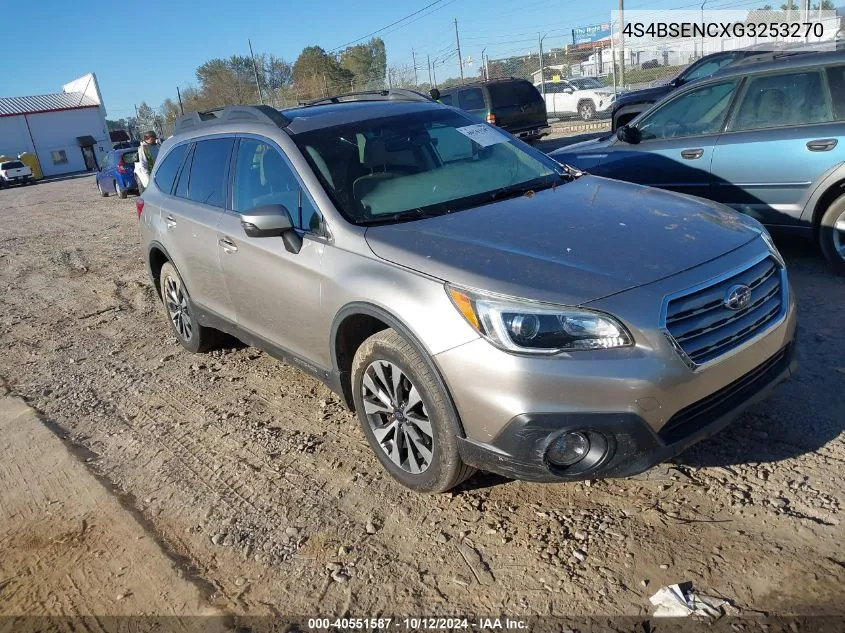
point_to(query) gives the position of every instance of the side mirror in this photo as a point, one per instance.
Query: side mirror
(568, 90)
(272, 220)
(629, 134)
(435, 94)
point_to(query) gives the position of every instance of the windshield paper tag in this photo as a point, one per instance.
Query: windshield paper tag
(483, 134)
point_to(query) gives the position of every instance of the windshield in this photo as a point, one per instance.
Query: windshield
(431, 162)
(586, 83)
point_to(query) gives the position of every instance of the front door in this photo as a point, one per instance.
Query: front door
(780, 139)
(676, 145)
(276, 293)
(90, 158)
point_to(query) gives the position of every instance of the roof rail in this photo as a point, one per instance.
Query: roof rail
(393, 94)
(230, 114)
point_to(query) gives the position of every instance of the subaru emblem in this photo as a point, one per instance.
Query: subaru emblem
(737, 297)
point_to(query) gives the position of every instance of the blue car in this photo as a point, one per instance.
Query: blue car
(117, 174)
(765, 136)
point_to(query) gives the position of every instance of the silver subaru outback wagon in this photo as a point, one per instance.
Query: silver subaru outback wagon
(476, 303)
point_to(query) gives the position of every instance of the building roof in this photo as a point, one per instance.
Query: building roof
(13, 106)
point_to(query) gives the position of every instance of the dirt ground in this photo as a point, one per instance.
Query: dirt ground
(260, 483)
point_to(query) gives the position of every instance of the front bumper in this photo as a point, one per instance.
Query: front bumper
(519, 450)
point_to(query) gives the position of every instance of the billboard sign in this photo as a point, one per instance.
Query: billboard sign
(591, 33)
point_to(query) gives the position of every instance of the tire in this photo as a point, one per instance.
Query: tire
(105, 194)
(120, 191)
(831, 238)
(587, 110)
(428, 421)
(180, 313)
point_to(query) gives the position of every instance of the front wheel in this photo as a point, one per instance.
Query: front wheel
(406, 415)
(587, 110)
(832, 235)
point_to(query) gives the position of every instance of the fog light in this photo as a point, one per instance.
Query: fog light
(568, 449)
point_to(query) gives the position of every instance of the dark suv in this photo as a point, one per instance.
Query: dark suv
(512, 104)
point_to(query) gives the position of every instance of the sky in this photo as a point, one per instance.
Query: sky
(174, 37)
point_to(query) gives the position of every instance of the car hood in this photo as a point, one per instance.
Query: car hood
(646, 94)
(593, 145)
(576, 243)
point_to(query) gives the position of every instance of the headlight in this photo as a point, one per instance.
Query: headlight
(531, 327)
(767, 238)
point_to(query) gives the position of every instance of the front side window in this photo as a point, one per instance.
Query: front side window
(207, 183)
(699, 111)
(446, 99)
(586, 83)
(165, 173)
(782, 100)
(430, 162)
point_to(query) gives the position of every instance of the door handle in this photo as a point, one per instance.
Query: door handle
(822, 145)
(170, 222)
(692, 154)
(228, 245)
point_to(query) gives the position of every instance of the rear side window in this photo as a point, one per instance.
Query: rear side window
(169, 167)
(783, 100)
(471, 99)
(836, 79)
(447, 99)
(512, 93)
(209, 168)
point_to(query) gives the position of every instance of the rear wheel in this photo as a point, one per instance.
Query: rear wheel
(180, 313)
(120, 191)
(832, 235)
(406, 415)
(100, 189)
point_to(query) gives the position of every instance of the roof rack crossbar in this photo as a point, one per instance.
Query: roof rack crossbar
(230, 114)
(392, 94)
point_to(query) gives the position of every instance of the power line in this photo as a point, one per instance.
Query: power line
(384, 28)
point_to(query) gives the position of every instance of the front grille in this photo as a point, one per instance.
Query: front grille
(703, 328)
(699, 414)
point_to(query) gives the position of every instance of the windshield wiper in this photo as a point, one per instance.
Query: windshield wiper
(514, 191)
(401, 216)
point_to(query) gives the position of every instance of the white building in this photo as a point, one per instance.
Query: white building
(66, 130)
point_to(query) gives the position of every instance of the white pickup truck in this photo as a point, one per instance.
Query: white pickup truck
(14, 172)
(586, 97)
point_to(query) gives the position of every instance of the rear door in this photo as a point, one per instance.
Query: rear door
(190, 219)
(517, 105)
(782, 136)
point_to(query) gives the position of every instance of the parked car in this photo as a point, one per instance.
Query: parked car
(630, 104)
(586, 97)
(14, 172)
(117, 173)
(511, 104)
(477, 304)
(764, 136)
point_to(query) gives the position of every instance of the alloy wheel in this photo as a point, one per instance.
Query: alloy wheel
(397, 416)
(177, 308)
(839, 235)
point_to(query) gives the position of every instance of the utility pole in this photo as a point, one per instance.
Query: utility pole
(789, 11)
(434, 72)
(255, 70)
(428, 59)
(458, 41)
(414, 57)
(542, 72)
(483, 65)
(622, 42)
(179, 94)
(486, 61)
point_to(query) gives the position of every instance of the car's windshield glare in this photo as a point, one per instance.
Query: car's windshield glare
(435, 161)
